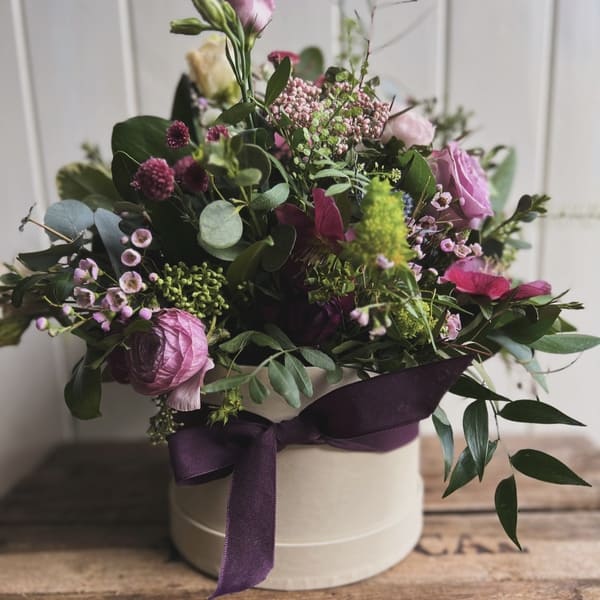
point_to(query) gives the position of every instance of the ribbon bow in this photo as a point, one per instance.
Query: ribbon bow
(376, 415)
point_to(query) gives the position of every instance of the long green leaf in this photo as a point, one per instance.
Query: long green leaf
(228, 383)
(542, 466)
(507, 507)
(300, 375)
(565, 343)
(475, 427)
(444, 432)
(278, 81)
(316, 358)
(283, 383)
(83, 392)
(465, 470)
(534, 411)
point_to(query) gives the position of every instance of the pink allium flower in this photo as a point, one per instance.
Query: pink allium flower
(141, 238)
(191, 175)
(255, 15)
(84, 298)
(170, 358)
(131, 257)
(461, 175)
(155, 179)
(409, 127)
(476, 277)
(178, 135)
(131, 282)
(277, 56)
(215, 133)
(115, 299)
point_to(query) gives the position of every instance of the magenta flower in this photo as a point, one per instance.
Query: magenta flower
(476, 277)
(461, 175)
(190, 175)
(255, 15)
(155, 179)
(131, 258)
(141, 238)
(170, 358)
(277, 56)
(131, 282)
(215, 133)
(178, 135)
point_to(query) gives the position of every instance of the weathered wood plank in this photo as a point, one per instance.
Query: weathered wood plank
(454, 549)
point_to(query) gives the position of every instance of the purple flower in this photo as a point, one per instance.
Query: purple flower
(145, 313)
(83, 297)
(191, 175)
(155, 179)
(41, 323)
(178, 135)
(141, 238)
(170, 358)
(255, 15)
(452, 327)
(131, 282)
(131, 258)
(126, 312)
(86, 272)
(115, 299)
(361, 316)
(461, 175)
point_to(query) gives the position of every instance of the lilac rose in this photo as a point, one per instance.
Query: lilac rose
(255, 15)
(171, 358)
(461, 175)
(409, 127)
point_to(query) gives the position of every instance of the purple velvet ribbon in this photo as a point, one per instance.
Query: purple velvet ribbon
(376, 415)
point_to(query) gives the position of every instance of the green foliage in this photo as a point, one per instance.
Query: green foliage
(444, 432)
(83, 392)
(565, 343)
(540, 465)
(88, 183)
(107, 224)
(507, 507)
(163, 423)
(311, 65)
(475, 428)
(12, 329)
(71, 218)
(220, 224)
(278, 81)
(534, 411)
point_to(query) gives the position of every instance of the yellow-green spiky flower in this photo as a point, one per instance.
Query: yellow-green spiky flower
(382, 230)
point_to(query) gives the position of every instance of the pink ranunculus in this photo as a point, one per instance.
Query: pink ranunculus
(461, 174)
(172, 357)
(409, 127)
(255, 15)
(476, 277)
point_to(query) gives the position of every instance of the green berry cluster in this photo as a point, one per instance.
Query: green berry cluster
(163, 423)
(196, 289)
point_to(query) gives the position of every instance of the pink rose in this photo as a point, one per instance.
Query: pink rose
(255, 15)
(461, 175)
(277, 56)
(409, 127)
(476, 277)
(172, 358)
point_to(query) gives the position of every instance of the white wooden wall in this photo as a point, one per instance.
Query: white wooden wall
(69, 69)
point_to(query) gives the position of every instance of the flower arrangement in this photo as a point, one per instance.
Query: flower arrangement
(289, 218)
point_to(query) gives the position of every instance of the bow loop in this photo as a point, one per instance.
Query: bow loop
(296, 431)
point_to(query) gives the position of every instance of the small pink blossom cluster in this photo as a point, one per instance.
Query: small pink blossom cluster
(106, 304)
(345, 113)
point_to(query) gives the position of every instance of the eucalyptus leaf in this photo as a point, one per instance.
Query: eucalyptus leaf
(565, 343)
(542, 466)
(221, 225)
(507, 507)
(476, 430)
(300, 374)
(224, 254)
(248, 177)
(272, 198)
(534, 411)
(69, 217)
(444, 432)
(107, 224)
(283, 383)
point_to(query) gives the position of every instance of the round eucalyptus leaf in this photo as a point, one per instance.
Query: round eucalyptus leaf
(69, 217)
(220, 225)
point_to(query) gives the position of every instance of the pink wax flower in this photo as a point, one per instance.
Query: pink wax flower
(131, 282)
(361, 316)
(84, 298)
(170, 358)
(277, 56)
(447, 245)
(155, 179)
(41, 323)
(452, 327)
(115, 299)
(86, 272)
(475, 276)
(178, 135)
(141, 238)
(145, 313)
(255, 15)
(131, 258)
(461, 175)
(408, 127)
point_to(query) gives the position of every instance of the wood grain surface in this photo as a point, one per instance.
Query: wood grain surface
(90, 523)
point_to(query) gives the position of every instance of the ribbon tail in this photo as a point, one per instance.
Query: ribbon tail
(249, 548)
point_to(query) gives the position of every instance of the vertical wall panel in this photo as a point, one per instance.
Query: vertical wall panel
(30, 415)
(572, 232)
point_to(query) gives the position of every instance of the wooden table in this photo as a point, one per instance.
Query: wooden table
(91, 524)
